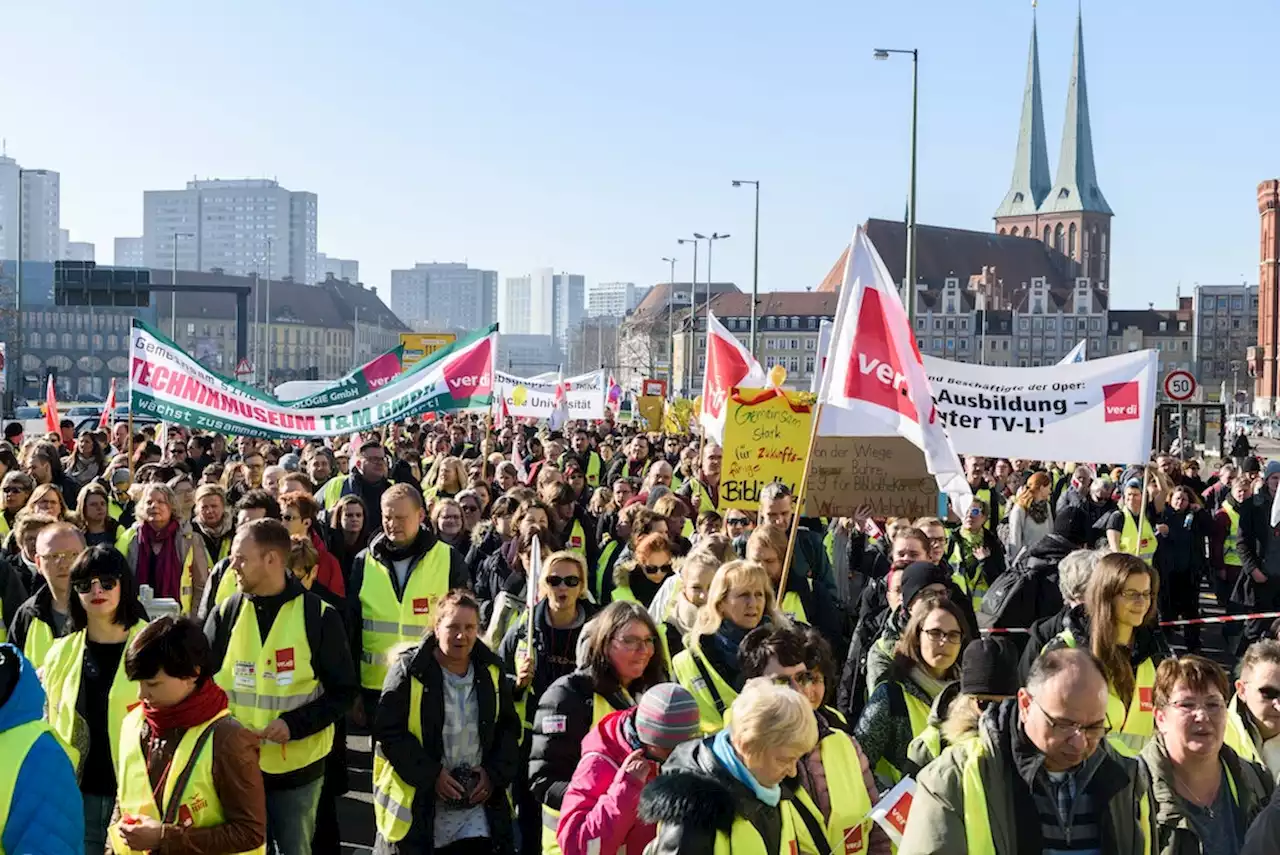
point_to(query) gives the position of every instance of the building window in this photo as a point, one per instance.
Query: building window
(1023, 345)
(795, 344)
(1071, 241)
(937, 324)
(1024, 324)
(937, 344)
(920, 323)
(1163, 326)
(1057, 237)
(793, 364)
(1051, 324)
(810, 344)
(964, 344)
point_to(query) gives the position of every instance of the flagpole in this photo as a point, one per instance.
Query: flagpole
(799, 500)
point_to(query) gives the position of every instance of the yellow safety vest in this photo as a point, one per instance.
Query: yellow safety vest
(593, 469)
(386, 621)
(228, 585)
(39, 640)
(743, 838)
(977, 822)
(114, 510)
(1238, 737)
(196, 806)
(577, 541)
(63, 668)
(4, 526)
(264, 679)
(331, 492)
(1144, 548)
(849, 825)
(392, 797)
(975, 586)
(125, 539)
(15, 744)
(1132, 728)
(1231, 546)
(993, 508)
(692, 670)
(602, 565)
(600, 707)
(918, 714)
(792, 607)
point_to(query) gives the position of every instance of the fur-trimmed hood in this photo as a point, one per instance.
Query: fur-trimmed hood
(689, 792)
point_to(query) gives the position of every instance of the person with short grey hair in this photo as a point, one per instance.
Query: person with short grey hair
(1077, 494)
(1073, 577)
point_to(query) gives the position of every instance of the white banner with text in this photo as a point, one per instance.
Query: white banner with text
(534, 397)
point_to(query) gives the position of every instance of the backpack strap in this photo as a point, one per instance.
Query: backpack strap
(721, 706)
(184, 777)
(228, 613)
(814, 826)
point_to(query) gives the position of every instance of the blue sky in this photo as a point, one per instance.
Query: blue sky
(588, 135)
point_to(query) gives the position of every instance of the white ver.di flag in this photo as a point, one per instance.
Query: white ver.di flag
(1076, 353)
(729, 364)
(875, 383)
(824, 344)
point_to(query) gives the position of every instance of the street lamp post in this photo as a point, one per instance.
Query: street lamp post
(883, 53)
(671, 311)
(693, 309)
(715, 236)
(755, 265)
(173, 295)
(266, 344)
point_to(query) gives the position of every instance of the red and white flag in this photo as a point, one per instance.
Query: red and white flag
(51, 407)
(729, 364)
(875, 383)
(109, 407)
(560, 404)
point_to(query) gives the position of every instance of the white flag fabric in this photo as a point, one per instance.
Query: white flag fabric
(729, 364)
(559, 405)
(824, 344)
(1076, 354)
(875, 383)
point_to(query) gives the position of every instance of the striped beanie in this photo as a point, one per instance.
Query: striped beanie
(667, 716)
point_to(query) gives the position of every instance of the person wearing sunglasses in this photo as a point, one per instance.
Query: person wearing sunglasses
(639, 580)
(1038, 777)
(925, 660)
(558, 619)
(1117, 624)
(974, 552)
(16, 488)
(89, 693)
(1253, 716)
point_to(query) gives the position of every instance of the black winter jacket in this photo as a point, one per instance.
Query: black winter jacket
(1259, 547)
(554, 652)
(1148, 641)
(420, 763)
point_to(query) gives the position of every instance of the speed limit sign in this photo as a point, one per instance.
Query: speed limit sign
(1179, 385)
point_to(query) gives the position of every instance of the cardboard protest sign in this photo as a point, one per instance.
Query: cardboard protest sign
(887, 473)
(766, 439)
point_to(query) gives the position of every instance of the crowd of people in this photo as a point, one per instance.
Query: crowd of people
(559, 642)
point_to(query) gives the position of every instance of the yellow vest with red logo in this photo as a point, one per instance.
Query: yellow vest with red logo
(385, 621)
(1132, 727)
(577, 541)
(1144, 547)
(849, 826)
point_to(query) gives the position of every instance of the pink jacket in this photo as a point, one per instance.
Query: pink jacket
(598, 813)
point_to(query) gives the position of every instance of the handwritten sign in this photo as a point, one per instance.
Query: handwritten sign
(766, 439)
(887, 473)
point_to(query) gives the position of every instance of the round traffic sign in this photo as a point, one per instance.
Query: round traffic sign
(1179, 385)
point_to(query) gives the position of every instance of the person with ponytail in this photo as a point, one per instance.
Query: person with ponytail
(1117, 624)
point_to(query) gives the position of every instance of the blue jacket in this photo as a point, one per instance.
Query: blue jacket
(46, 814)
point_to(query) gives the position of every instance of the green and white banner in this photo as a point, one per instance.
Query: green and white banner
(374, 374)
(167, 383)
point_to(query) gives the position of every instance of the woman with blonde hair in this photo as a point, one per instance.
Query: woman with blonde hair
(601, 502)
(1031, 516)
(1117, 624)
(733, 791)
(450, 480)
(47, 499)
(767, 546)
(675, 606)
(740, 599)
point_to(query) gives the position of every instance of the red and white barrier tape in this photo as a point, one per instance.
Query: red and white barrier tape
(1022, 630)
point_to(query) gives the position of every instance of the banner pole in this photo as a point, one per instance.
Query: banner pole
(798, 501)
(131, 440)
(1142, 512)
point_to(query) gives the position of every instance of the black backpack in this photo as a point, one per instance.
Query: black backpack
(1016, 599)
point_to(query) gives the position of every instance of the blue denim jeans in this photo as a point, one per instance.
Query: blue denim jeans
(291, 819)
(97, 816)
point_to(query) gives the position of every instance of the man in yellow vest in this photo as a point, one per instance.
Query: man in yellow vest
(1134, 527)
(703, 493)
(40, 806)
(281, 655)
(44, 617)
(1224, 553)
(395, 584)
(592, 465)
(985, 486)
(1039, 776)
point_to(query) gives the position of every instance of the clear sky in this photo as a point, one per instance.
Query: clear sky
(588, 135)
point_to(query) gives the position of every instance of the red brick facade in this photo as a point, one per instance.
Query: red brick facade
(1262, 359)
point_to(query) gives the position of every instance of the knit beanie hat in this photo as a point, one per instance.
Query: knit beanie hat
(988, 668)
(1273, 468)
(1251, 465)
(917, 576)
(667, 716)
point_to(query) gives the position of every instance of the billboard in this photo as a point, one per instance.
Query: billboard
(418, 346)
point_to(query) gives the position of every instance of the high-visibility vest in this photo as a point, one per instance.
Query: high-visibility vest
(197, 805)
(699, 498)
(993, 507)
(15, 744)
(743, 838)
(1144, 548)
(713, 695)
(61, 676)
(228, 585)
(125, 543)
(331, 492)
(577, 541)
(792, 607)
(263, 679)
(114, 510)
(593, 469)
(962, 550)
(602, 566)
(918, 715)
(1131, 728)
(392, 797)
(4, 526)
(849, 826)
(977, 822)
(39, 639)
(1231, 546)
(385, 621)
(600, 707)
(1238, 737)
(622, 594)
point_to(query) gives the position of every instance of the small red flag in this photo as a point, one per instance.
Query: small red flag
(51, 407)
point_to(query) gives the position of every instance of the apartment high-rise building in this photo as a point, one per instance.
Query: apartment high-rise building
(129, 252)
(40, 219)
(338, 268)
(569, 294)
(242, 227)
(614, 299)
(445, 296)
(526, 304)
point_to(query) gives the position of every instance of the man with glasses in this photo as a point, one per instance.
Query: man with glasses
(45, 616)
(975, 554)
(368, 480)
(1038, 777)
(1253, 721)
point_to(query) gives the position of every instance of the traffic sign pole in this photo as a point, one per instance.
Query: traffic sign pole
(1180, 386)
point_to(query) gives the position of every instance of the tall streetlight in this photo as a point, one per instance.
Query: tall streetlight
(715, 236)
(693, 307)
(671, 312)
(755, 265)
(883, 53)
(173, 295)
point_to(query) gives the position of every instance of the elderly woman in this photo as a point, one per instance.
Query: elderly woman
(160, 554)
(731, 792)
(1206, 796)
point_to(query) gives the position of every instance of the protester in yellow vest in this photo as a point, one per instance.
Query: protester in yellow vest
(985, 488)
(1116, 624)
(925, 660)
(836, 774)
(988, 795)
(281, 655)
(620, 663)
(767, 546)
(638, 580)
(703, 493)
(45, 616)
(214, 521)
(1225, 560)
(675, 606)
(40, 807)
(1253, 716)
(83, 674)
(161, 554)
(17, 487)
(425, 765)
(222, 582)
(975, 555)
(724, 792)
(397, 582)
(1133, 528)
(590, 460)
(188, 770)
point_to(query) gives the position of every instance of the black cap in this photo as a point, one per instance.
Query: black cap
(917, 576)
(13, 429)
(1251, 465)
(988, 667)
(1073, 524)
